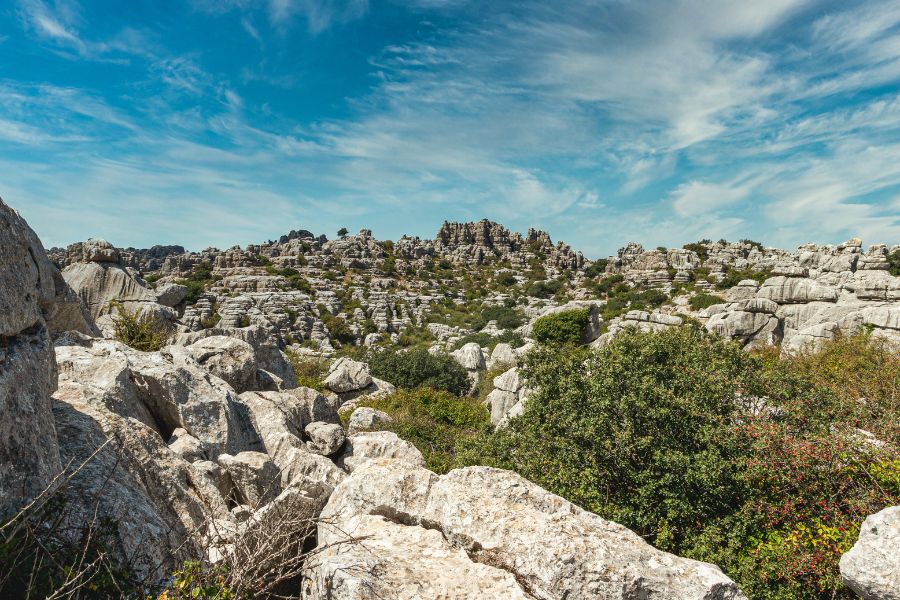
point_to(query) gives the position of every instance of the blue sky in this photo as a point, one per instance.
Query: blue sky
(221, 122)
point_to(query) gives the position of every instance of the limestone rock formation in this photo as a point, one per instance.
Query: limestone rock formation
(553, 549)
(29, 455)
(872, 567)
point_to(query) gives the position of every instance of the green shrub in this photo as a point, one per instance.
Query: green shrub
(417, 368)
(894, 263)
(703, 300)
(506, 317)
(605, 285)
(561, 328)
(659, 431)
(310, 370)
(435, 422)
(196, 581)
(597, 268)
(486, 340)
(733, 277)
(699, 248)
(141, 332)
(197, 281)
(544, 289)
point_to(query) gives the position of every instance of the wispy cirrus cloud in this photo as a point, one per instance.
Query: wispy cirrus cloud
(601, 121)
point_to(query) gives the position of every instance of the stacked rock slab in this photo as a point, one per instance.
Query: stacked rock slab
(29, 455)
(482, 524)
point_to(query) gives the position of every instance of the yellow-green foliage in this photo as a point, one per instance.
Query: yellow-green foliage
(310, 370)
(141, 332)
(194, 582)
(434, 421)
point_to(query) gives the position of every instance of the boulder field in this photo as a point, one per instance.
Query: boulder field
(203, 449)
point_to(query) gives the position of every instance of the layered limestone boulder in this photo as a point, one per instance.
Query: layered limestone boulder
(29, 455)
(872, 566)
(100, 280)
(491, 523)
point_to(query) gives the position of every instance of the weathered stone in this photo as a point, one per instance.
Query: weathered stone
(29, 455)
(228, 358)
(872, 566)
(256, 478)
(470, 357)
(554, 549)
(365, 418)
(361, 447)
(171, 294)
(324, 438)
(346, 375)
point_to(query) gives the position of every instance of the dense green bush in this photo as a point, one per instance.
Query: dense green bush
(436, 422)
(703, 300)
(486, 340)
(597, 268)
(544, 289)
(733, 277)
(561, 328)
(310, 370)
(506, 317)
(197, 281)
(417, 368)
(662, 432)
(699, 248)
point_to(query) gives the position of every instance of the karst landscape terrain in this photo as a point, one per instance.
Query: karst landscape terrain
(482, 414)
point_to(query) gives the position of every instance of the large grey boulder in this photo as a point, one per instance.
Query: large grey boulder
(470, 357)
(324, 438)
(872, 566)
(29, 455)
(554, 549)
(228, 358)
(100, 284)
(791, 290)
(366, 418)
(153, 499)
(269, 356)
(171, 294)
(347, 375)
(394, 560)
(362, 447)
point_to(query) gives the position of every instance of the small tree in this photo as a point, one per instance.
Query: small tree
(342, 231)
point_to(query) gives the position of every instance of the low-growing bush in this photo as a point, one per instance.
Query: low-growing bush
(506, 317)
(436, 422)
(310, 370)
(544, 289)
(486, 340)
(561, 328)
(140, 331)
(733, 277)
(417, 368)
(703, 300)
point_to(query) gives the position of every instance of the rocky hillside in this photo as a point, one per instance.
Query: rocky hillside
(202, 420)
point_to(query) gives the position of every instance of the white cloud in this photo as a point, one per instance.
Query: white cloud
(697, 197)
